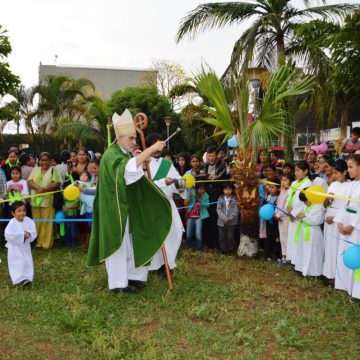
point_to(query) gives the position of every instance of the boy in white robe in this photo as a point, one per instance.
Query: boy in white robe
(19, 234)
(309, 241)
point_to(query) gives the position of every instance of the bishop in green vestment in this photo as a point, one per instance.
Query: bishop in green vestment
(131, 216)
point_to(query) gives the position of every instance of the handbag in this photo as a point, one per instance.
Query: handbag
(58, 200)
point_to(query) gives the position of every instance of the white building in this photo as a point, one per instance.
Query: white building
(107, 80)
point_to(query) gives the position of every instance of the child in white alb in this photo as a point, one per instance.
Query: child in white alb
(308, 239)
(19, 233)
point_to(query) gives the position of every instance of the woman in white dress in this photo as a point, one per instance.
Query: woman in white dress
(331, 228)
(349, 228)
(294, 205)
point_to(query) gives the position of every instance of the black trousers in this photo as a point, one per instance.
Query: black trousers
(226, 238)
(210, 231)
(272, 233)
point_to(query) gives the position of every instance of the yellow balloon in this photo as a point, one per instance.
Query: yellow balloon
(315, 198)
(189, 180)
(71, 192)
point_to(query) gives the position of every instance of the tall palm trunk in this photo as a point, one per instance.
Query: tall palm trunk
(288, 139)
(344, 120)
(246, 179)
(280, 48)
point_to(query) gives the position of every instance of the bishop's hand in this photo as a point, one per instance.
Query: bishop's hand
(158, 146)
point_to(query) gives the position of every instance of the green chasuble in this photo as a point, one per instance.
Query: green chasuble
(147, 207)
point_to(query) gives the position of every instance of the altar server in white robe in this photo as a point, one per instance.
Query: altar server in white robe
(294, 205)
(19, 234)
(349, 227)
(163, 173)
(309, 241)
(331, 227)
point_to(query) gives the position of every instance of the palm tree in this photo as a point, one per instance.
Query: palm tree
(24, 107)
(94, 125)
(269, 41)
(62, 98)
(232, 117)
(271, 30)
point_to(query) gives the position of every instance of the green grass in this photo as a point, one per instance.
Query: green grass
(221, 308)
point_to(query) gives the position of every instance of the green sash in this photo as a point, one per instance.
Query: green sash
(14, 196)
(306, 227)
(357, 275)
(163, 169)
(295, 188)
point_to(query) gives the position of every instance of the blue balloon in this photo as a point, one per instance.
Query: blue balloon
(352, 257)
(59, 217)
(266, 212)
(233, 142)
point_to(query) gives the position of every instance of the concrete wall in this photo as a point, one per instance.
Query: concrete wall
(106, 80)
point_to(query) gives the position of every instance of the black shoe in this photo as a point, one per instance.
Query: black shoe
(25, 283)
(162, 272)
(140, 285)
(125, 290)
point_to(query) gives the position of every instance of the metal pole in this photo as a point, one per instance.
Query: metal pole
(168, 134)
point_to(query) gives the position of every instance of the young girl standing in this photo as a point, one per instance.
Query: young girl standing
(11, 161)
(294, 205)
(349, 228)
(308, 239)
(16, 187)
(281, 217)
(197, 209)
(195, 163)
(331, 230)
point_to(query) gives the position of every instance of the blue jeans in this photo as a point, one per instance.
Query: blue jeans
(71, 233)
(194, 233)
(89, 216)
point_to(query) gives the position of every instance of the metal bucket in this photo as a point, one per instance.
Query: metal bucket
(180, 184)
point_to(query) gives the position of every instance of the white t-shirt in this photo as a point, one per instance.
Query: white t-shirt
(23, 183)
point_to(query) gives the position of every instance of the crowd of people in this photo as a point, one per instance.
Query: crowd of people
(310, 237)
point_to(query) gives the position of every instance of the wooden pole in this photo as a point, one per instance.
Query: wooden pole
(141, 122)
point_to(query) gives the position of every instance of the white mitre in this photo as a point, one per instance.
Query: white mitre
(123, 124)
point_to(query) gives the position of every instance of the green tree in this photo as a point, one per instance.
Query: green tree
(23, 107)
(8, 81)
(146, 100)
(272, 27)
(267, 42)
(156, 107)
(341, 87)
(232, 118)
(62, 99)
(93, 126)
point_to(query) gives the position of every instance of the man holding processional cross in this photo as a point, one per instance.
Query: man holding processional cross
(131, 216)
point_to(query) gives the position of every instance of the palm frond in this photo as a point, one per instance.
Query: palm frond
(81, 132)
(335, 11)
(214, 15)
(209, 84)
